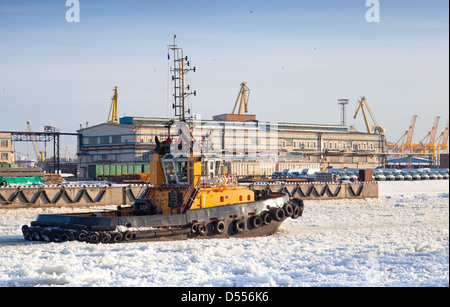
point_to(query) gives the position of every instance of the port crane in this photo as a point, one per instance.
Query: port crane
(442, 140)
(405, 144)
(39, 154)
(242, 99)
(428, 143)
(112, 117)
(362, 105)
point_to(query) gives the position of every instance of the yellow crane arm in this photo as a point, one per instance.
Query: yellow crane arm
(242, 99)
(112, 117)
(362, 105)
(361, 102)
(36, 152)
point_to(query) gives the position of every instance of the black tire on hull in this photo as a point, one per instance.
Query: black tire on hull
(239, 226)
(219, 227)
(278, 214)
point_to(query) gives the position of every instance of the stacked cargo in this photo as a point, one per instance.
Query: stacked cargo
(108, 170)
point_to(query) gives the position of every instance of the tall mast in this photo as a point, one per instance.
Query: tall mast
(181, 91)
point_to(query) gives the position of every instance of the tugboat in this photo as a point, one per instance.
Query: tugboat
(189, 198)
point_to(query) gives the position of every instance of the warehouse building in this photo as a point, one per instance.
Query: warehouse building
(249, 147)
(5, 148)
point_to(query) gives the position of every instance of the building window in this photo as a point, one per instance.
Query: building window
(104, 140)
(283, 144)
(4, 156)
(4, 143)
(294, 144)
(116, 139)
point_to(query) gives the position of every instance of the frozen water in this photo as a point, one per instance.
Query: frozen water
(400, 239)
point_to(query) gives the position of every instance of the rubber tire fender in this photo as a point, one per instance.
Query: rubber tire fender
(93, 237)
(300, 204)
(128, 235)
(267, 219)
(82, 236)
(202, 229)
(278, 214)
(116, 237)
(219, 227)
(256, 221)
(296, 214)
(105, 237)
(239, 226)
(288, 209)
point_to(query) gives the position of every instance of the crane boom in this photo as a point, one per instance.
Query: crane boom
(362, 105)
(242, 99)
(442, 141)
(427, 145)
(36, 152)
(406, 139)
(112, 117)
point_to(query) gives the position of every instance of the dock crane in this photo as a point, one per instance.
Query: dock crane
(442, 140)
(242, 99)
(362, 105)
(39, 155)
(405, 144)
(428, 144)
(112, 117)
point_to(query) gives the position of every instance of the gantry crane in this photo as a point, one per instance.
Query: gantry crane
(405, 144)
(362, 105)
(442, 140)
(428, 144)
(242, 99)
(112, 117)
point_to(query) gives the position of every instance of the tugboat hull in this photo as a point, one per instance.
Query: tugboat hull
(258, 218)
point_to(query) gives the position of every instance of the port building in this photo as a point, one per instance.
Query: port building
(5, 148)
(248, 146)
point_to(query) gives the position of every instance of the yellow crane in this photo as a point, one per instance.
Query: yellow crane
(39, 154)
(405, 144)
(428, 144)
(442, 140)
(242, 99)
(362, 105)
(112, 117)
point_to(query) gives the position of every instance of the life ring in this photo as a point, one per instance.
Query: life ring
(239, 226)
(219, 227)
(278, 214)
(229, 178)
(256, 221)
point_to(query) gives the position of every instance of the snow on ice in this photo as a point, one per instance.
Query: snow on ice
(400, 239)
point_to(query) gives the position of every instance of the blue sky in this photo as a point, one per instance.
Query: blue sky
(298, 58)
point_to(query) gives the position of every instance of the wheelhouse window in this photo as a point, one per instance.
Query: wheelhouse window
(182, 171)
(170, 172)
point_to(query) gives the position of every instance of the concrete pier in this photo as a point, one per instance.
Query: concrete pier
(59, 196)
(322, 190)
